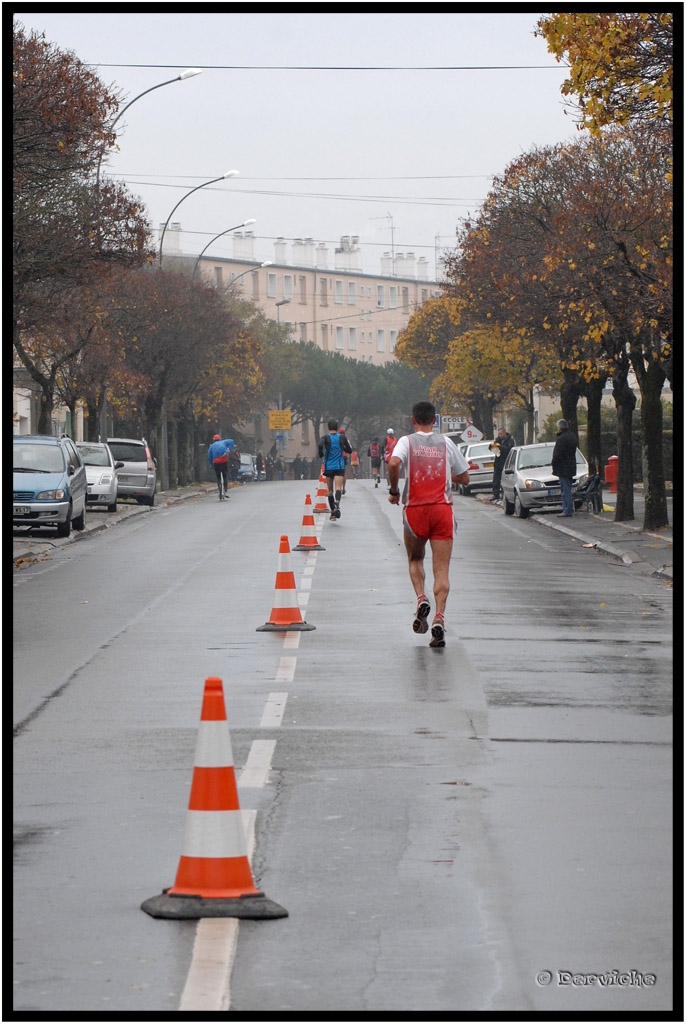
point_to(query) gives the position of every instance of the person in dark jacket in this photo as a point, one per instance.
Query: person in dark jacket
(564, 465)
(501, 446)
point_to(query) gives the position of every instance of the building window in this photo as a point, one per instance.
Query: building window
(325, 337)
(255, 281)
(406, 297)
(361, 291)
(352, 337)
(271, 286)
(323, 292)
(362, 338)
(338, 292)
(425, 294)
(380, 341)
(303, 332)
(288, 286)
(380, 297)
(302, 283)
(351, 293)
(393, 296)
(217, 276)
(392, 338)
(340, 343)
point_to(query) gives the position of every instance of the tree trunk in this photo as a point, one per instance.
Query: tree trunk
(593, 392)
(569, 399)
(655, 516)
(45, 407)
(625, 400)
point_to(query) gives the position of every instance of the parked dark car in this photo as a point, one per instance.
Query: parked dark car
(49, 483)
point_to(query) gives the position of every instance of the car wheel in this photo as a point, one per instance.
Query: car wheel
(519, 509)
(113, 506)
(507, 505)
(64, 529)
(149, 501)
(80, 522)
(465, 489)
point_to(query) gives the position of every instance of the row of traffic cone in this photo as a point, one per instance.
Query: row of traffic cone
(214, 877)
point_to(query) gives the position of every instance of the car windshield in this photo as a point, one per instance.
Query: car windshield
(535, 458)
(93, 456)
(38, 458)
(125, 452)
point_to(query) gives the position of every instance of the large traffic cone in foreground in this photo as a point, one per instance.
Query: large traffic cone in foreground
(286, 612)
(308, 539)
(214, 878)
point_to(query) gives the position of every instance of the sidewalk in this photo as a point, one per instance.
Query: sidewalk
(648, 553)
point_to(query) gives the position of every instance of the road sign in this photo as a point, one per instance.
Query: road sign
(471, 433)
(437, 423)
(279, 419)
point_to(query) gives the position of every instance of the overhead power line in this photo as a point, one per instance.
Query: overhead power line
(343, 67)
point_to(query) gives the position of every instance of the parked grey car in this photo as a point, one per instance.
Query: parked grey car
(101, 473)
(138, 476)
(49, 483)
(529, 484)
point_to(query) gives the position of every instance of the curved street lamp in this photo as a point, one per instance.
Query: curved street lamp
(251, 220)
(281, 302)
(188, 73)
(228, 174)
(267, 263)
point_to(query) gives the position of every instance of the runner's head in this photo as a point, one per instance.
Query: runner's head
(390, 431)
(216, 437)
(424, 413)
(333, 424)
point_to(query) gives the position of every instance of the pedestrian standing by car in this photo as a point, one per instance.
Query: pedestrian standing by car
(218, 458)
(501, 446)
(432, 463)
(374, 453)
(333, 448)
(563, 465)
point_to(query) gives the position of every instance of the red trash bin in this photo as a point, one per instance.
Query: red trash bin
(611, 473)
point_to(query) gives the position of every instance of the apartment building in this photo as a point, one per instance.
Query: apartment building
(322, 297)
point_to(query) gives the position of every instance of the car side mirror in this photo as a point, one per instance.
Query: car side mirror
(119, 465)
(70, 470)
(509, 471)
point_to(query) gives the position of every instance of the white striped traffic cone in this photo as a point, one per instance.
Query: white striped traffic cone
(286, 612)
(214, 878)
(321, 498)
(308, 539)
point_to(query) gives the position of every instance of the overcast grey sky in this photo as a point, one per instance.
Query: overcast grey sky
(397, 157)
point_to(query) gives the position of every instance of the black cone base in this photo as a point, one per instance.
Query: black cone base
(276, 628)
(192, 908)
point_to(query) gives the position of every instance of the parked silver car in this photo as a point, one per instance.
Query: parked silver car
(529, 484)
(480, 459)
(138, 476)
(101, 473)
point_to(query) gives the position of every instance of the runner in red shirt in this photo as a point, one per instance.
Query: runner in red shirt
(432, 464)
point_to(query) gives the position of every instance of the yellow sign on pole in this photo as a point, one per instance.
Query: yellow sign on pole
(279, 419)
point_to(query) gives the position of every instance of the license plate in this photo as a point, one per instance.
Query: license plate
(488, 465)
(22, 510)
(554, 492)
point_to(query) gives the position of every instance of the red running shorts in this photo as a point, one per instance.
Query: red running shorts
(430, 522)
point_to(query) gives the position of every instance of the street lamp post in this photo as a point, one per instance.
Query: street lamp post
(267, 263)
(251, 220)
(188, 73)
(281, 302)
(228, 174)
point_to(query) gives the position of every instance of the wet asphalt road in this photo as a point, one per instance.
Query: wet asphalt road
(443, 827)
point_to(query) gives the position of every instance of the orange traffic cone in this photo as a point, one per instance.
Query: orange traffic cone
(322, 504)
(286, 612)
(214, 878)
(308, 540)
